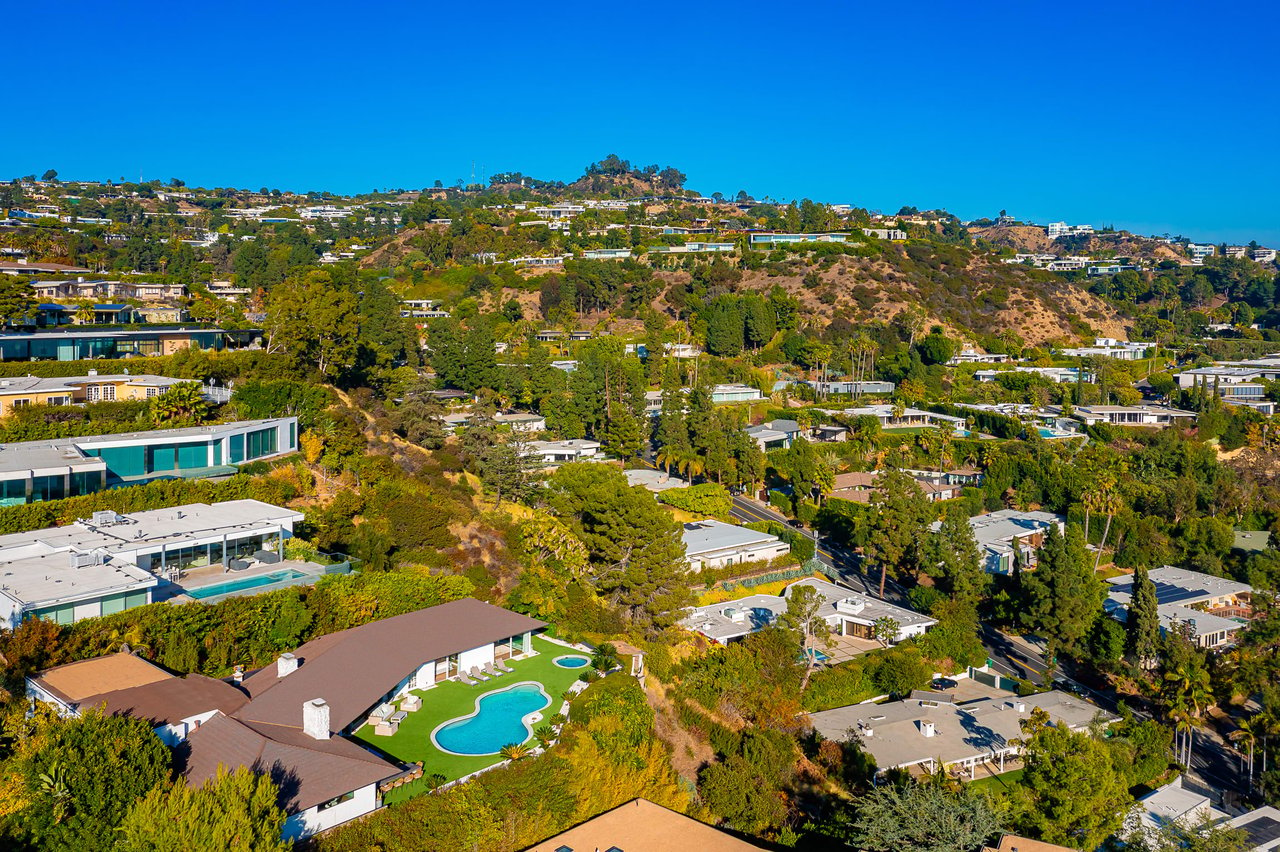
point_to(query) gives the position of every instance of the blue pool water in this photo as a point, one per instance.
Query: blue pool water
(570, 662)
(497, 721)
(241, 585)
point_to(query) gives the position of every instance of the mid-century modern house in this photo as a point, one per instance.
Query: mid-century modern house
(930, 729)
(846, 612)
(714, 544)
(78, 345)
(1212, 609)
(562, 452)
(641, 826)
(111, 562)
(290, 718)
(35, 471)
(734, 393)
(1132, 415)
(997, 532)
(774, 434)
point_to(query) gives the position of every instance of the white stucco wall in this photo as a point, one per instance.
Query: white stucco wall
(312, 820)
(426, 674)
(476, 657)
(88, 609)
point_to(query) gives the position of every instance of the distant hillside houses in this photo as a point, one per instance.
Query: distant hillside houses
(1000, 534)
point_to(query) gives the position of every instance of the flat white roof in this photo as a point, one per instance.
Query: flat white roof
(710, 536)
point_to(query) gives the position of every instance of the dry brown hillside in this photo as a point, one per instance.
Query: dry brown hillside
(965, 292)
(1032, 239)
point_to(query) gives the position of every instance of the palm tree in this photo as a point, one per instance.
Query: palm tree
(1247, 736)
(691, 463)
(515, 751)
(182, 404)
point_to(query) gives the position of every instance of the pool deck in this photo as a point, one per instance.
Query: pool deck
(212, 575)
(451, 699)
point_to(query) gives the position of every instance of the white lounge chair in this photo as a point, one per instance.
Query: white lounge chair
(382, 711)
(477, 674)
(503, 667)
(491, 671)
(462, 676)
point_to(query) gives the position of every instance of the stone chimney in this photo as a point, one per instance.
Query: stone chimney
(315, 719)
(286, 665)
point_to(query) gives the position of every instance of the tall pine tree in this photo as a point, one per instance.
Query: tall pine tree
(1142, 622)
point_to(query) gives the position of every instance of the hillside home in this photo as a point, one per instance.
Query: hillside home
(998, 533)
(1213, 610)
(766, 240)
(734, 393)
(1131, 415)
(930, 731)
(111, 562)
(642, 826)
(845, 611)
(80, 345)
(774, 434)
(562, 452)
(290, 718)
(69, 390)
(36, 471)
(715, 544)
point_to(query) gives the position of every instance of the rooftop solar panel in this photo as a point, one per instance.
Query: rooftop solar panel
(1262, 831)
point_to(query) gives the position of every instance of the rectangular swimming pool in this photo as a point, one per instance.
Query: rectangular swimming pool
(246, 583)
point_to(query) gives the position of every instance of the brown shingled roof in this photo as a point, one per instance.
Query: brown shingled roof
(74, 682)
(168, 701)
(353, 669)
(308, 772)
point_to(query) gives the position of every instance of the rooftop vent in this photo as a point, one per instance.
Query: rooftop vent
(106, 518)
(737, 616)
(852, 605)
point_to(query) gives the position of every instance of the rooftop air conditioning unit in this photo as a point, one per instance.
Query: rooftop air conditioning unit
(106, 518)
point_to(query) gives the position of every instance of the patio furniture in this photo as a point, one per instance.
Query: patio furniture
(398, 717)
(411, 703)
(462, 676)
(382, 711)
(491, 671)
(386, 728)
(477, 674)
(503, 667)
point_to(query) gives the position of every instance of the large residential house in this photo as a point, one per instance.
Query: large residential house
(111, 562)
(69, 390)
(36, 471)
(774, 434)
(906, 417)
(766, 240)
(846, 612)
(562, 452)
(79, 288)
(858, 486)
(1131, 415)
(1109, 347)
(929, 729)
(735, 393)
(81, 345)
(998, 533)
(291, 719)
(1211, 609)
(715, 544)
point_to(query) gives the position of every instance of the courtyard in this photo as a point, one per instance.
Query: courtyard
(452, 699)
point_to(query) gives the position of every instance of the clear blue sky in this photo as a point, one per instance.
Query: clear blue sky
(1153, 116)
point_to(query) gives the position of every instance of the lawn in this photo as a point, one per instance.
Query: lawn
(411, 743)
(1003, 783)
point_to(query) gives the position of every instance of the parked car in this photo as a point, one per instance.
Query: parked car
(943, 683)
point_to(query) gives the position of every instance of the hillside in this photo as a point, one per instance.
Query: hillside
(1032, 239)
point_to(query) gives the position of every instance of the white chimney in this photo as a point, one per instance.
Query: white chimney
(1021, 707)
(926, 727)
(287, 664)
(315, 719)
(238, 674)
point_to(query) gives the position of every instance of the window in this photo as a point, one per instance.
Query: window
(92, 393)
(108, 392)
(345, 797)
(152, 392)
(21, 403)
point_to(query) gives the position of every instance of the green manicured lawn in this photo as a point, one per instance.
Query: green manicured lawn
(411, 742)
(1000, 783)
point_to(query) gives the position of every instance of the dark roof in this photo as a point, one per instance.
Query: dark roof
(353, 669)
(308, 772)
(168, 701)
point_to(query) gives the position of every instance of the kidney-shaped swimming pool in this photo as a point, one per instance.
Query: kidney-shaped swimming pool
(499, 719)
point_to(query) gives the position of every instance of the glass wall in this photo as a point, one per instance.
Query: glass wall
(13, 492)
(236, 453)
(85, 482)
(260, 443)
(48, 488)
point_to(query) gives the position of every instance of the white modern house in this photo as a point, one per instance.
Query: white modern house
(845, 611)
(1132, 415)
(111, 562)
(714, 544)
(735, 393)
(562, 452)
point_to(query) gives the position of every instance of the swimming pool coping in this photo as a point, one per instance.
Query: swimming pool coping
(527, 719)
